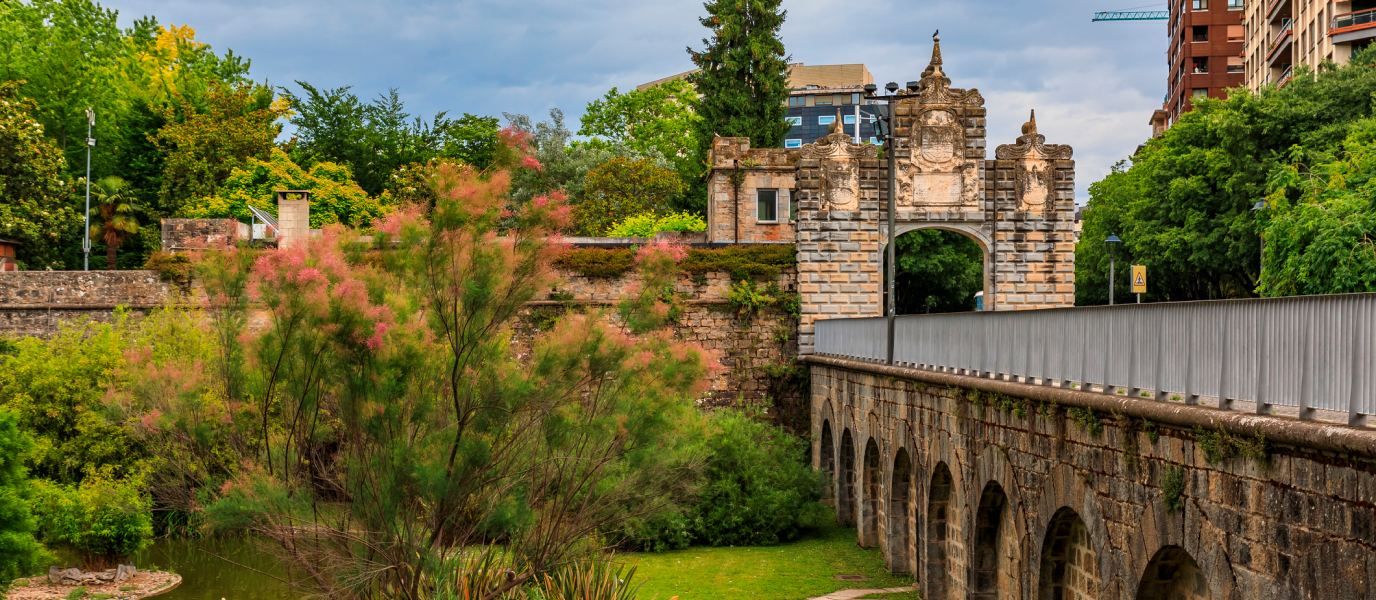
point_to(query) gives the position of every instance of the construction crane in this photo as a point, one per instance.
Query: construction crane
(1139, 15)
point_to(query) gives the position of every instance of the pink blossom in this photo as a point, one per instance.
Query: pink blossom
(529, 162)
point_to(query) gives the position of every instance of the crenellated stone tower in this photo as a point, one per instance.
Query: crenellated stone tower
(1018, 207)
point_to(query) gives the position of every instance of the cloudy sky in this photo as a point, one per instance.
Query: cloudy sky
(1094, 85)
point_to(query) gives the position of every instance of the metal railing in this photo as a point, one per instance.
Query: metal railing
(1361, 17)
(1308, 352)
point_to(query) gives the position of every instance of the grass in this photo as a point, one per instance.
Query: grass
(128, 588)
(913, 595)
(77, 593)
(794, 571)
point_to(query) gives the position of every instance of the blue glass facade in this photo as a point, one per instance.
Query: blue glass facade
(808, 125)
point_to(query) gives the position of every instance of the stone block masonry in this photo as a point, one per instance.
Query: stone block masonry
(996, 489)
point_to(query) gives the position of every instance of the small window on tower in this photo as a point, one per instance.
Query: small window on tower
(1201, 65)
(1201, 33)
(1199, 4)
(1199, 94)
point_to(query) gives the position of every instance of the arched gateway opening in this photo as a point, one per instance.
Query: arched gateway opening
(1173, 575)
(938, 271)
(898, 529)
(1070, 568)
(846, 503)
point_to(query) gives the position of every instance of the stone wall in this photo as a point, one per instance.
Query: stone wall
(735, 206)
(1087, 511)
(37, 302)
(179, 235)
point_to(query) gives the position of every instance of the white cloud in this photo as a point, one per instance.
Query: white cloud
(1093, 85)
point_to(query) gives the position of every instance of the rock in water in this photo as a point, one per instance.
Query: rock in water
(125, 572)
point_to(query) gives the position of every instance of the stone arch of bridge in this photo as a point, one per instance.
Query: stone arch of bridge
(845, 498)
(1172, 574)
(898, 529)
(938, 552)
(1161, 528)
(993, 559)
(1065, 488)
(1069, 563)
(975, 231)
(872, 491)
(992, 469)
(826, 459)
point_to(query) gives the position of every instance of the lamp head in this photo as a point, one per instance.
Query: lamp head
(90, 116)
(1113, 239)
(891, 86)
(870, 88)
(912, 85)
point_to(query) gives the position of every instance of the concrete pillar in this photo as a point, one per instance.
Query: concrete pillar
(293, 217)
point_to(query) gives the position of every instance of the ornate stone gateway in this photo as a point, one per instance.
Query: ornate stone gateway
(1019, 207)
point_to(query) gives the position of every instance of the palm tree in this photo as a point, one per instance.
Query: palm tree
(112, 216)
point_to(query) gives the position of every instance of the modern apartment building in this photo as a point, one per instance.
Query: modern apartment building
(1205, 54)
(818, 91)
(1282, 34)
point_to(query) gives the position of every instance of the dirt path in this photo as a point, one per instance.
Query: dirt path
(851, 594)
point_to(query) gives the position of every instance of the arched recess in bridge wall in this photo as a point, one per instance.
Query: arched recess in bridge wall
(1173, 574)
(845, 501)
(873, 491)
(993, 469)
(1069, 564)
(1161, 529)
(936, 575)
(1064, 490)
(994, 561)
(898, 534)
(827, 463)
(969, 230)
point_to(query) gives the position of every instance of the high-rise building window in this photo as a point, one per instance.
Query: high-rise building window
(855, 98)
(848, 119)
(794, 143)
(797, 100)
(794, 121)
(1200, 33)
(1234, 4)
(826, 120)
(1199, 4)
(1201, 65)
(823, 100)
(1200, 93)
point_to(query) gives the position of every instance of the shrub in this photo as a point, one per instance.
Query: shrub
(103, 520)
(743, 261)
(597, 262)
(645, 225)
(20, 553)
(170, 267)
(1173, 488)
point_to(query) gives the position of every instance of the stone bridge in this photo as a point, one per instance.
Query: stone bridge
(989, 489)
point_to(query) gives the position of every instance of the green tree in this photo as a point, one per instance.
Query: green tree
(563, 164)
(938, 271)
(335, 198)
(203, 148)
(1183, 204)
(20, 553)
(620, 188)
(103, 520)
(37, 210)
(661, 119)
(375, 139)
(1324, 241)
(742, 79)
(112, 215)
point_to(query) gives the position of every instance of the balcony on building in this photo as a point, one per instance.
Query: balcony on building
(1199, 33)
(1201, 65)
(1283, 38)
(1357, 27)
(1278, 10)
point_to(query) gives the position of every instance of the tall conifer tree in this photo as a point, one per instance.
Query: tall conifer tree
(744, 73)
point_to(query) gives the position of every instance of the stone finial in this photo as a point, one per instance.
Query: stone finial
(835, 126)
(1030, 127)
(934, 67)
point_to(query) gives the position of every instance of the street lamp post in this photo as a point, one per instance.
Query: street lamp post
(885, 126)
(1111, 241)
(90, 142)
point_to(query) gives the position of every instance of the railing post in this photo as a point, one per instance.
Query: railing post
(1263, 354)
(1159, 322)
(1133, 368)
(1307, 412)
(1224, 402)
(1360, 361)
(889, 359)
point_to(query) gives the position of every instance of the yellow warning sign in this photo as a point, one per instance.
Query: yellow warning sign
(1139, 279)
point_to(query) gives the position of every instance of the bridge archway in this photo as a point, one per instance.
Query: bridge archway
(874, 490)
(845, 503)
(993, 562)
(827, 459)
(898, 530)
(1173, 574)
(1069, 565)
(935, 567)
(906, 286)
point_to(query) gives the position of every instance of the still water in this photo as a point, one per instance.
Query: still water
(206, 577)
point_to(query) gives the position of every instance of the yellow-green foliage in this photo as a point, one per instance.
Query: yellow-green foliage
(646, 224)
(335, 198)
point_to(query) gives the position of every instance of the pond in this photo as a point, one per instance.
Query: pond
(206, 575)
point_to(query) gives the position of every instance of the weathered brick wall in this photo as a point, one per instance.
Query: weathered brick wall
(1088, 514)
(36, 303)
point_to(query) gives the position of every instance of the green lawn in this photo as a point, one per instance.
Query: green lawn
(786, 572)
